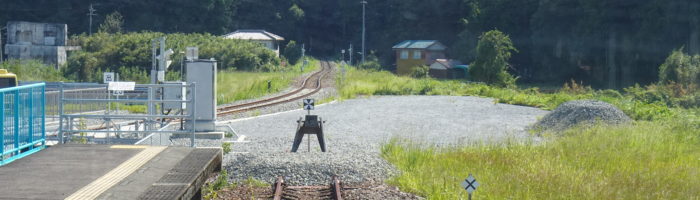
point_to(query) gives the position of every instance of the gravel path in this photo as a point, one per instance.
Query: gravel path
(356, 129)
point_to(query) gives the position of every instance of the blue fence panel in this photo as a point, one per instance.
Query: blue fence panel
(22, 120)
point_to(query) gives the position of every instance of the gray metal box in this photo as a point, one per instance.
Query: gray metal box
(175, 93)
(203, 73)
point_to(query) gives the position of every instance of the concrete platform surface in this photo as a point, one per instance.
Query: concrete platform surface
(110, 172)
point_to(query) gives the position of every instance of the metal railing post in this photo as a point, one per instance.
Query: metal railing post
(43, 115)
(60, 114)
(16, 121)
(30, 99)
(2, 124)
(194, 111)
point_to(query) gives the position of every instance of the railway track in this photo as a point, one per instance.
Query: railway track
(332, 191)
(312, 82)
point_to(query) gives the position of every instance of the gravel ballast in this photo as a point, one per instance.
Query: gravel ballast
(356, 129)
(581, 112)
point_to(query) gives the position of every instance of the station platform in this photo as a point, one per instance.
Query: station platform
(71, 171)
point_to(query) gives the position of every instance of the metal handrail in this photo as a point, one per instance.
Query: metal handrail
(66, 120)
(26, 108)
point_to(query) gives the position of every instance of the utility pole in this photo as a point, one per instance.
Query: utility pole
(154, 79)
(350, 52)
(90, 14)
(363, 29)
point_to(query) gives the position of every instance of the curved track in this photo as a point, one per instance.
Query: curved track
(312, 82)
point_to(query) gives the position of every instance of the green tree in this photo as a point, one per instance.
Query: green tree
(680, 68)
(130, 54)
(296, 12)
(292, 52)
(113, 23)
(491, 64)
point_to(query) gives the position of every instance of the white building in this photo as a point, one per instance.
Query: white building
(270, 40)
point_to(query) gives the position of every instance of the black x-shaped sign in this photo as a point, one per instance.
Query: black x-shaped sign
(308, 104)
(470, 184)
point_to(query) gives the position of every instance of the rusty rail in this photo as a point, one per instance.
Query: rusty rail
(336, 188)
(325, 69)
(278, 188)
(333, 191)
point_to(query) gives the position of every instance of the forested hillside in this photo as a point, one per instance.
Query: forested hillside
(605, 43)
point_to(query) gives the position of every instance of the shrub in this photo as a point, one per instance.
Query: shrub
(421, 71)
(680, 68)
(292, 52)
(576, 88)
(371, 63)
(492, 54)
(32, 70)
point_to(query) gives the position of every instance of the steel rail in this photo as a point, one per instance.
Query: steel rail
(332, 191)
(303, 86)
(278, 188)
(264, 103)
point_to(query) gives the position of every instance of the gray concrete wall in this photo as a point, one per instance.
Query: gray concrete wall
(41, 41)
(37, 33)
(53, 55)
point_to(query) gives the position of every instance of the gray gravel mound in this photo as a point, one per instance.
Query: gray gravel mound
(581, 112)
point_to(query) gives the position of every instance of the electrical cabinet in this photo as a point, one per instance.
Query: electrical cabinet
(203, 74)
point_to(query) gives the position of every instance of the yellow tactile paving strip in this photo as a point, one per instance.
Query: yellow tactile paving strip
(102, 184)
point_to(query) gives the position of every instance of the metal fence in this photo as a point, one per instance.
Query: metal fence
(77, 91)
(82, 91)
(90, 113)
(22, 121)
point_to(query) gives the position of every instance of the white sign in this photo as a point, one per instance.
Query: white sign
(123, 86)
(308, 104)
(118, 92)
(470, 184)
(107, 77)
(161, 76)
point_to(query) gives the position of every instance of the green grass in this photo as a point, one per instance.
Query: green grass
(136, 108)
(645, 160)
(363, 83)
(655, 157)
(210, 191)
(239, 85)
(226, 147)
